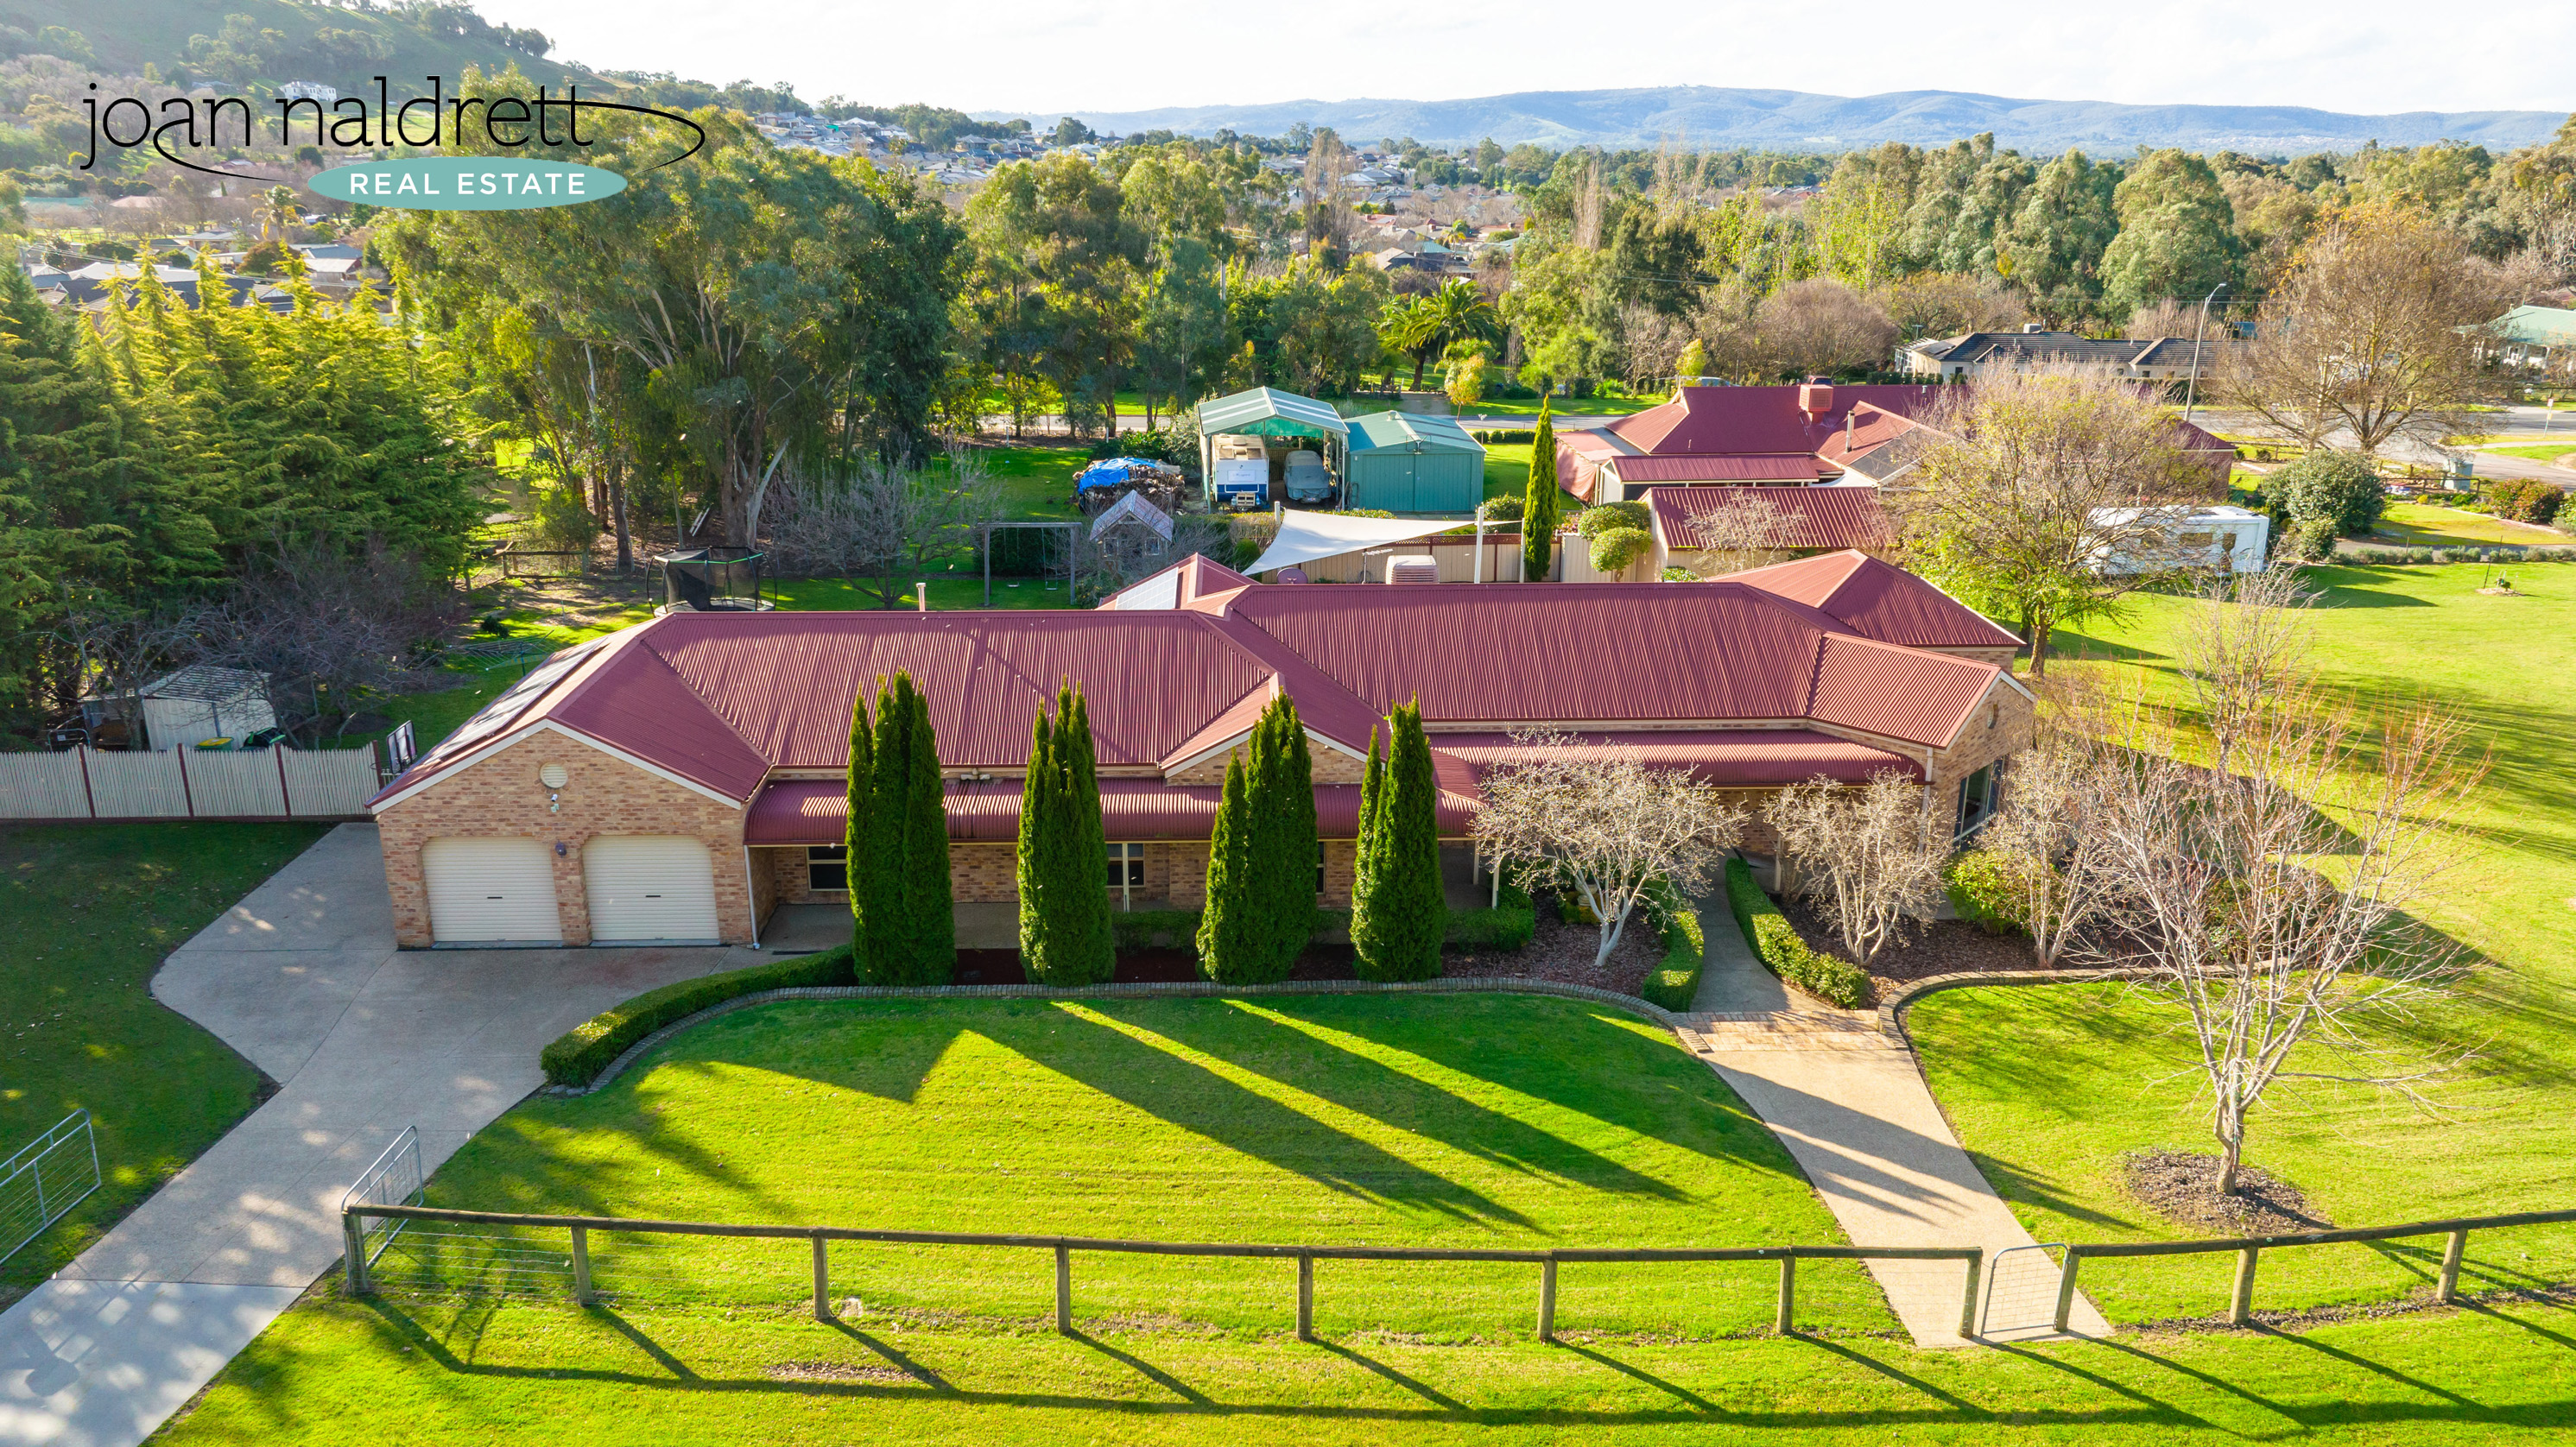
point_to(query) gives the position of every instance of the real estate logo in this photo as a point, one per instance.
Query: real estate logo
(485, 180)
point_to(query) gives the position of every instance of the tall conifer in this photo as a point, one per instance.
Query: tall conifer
(859, 835)
(1092, 942)
(909, 925)
(1038, 821)
(1232, 949)
(1281, 790)
(1400, 913)
(1542, 506)
(1065, 935)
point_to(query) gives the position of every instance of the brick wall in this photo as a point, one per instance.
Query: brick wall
(502, 797)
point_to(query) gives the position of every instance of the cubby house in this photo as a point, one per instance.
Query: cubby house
(678, 781)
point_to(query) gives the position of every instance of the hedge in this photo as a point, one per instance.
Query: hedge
(1155, 929)
(579, 1054)
(1776, 943)
(1984, 892)
(1505, 436)
(1674, 981)
(1504, 926)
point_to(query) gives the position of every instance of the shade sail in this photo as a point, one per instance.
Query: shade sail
(1306, 536)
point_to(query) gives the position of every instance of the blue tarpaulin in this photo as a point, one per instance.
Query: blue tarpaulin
(1111, 472)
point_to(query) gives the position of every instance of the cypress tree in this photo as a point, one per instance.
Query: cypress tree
(909, 925)
(859, 837)
(1541, 506)
(1281, 791)
(1086, 846)
(1397, 924)
(1232, 947)
(1037, 816)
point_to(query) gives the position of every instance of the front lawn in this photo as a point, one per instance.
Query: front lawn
(2050, 1087)
(2537, 452)
(87, 913)
(2430, 525)
(1462, 1120)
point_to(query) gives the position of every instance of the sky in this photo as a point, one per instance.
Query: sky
(2369, 56)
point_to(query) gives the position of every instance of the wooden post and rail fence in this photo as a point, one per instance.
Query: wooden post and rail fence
(2247, 1250)
(355, 1215)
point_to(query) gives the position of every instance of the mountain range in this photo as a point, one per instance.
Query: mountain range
(1789, 120)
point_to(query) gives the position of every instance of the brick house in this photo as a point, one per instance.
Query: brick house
(679, 780)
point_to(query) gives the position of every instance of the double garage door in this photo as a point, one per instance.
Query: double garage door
(502, 891)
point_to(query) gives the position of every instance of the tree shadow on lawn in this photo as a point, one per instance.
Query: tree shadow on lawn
(1925, 1404)
(1522, 1043)
(1252, 1037)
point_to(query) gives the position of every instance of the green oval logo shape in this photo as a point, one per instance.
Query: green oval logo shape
(467, 183)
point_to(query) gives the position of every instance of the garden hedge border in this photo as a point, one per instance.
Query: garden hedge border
(1498, 985)
(1776, 944)
(584, 1051)
(1674, 981)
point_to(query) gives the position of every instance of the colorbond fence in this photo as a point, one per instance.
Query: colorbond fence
(275, 783)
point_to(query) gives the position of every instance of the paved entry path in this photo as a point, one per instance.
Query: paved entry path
(1846, 1097)
(303, 978)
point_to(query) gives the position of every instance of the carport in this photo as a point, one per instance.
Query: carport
(1269, 412)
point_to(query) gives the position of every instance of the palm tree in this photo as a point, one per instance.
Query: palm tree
(1459, 313)
(277, 211)
(1410, 325)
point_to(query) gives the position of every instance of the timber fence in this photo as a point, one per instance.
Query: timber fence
(579, 1229)
(271, 783)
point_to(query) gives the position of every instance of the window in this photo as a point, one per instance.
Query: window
(1319, 868)
(1977, 795)
(827, 867)
(1126, 872)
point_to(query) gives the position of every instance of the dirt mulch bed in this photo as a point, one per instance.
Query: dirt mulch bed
(2181, 1186)
(1563, 953)
(1941, 947)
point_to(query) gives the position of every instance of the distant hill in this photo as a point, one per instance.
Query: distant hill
(337, 47)
(1799, 120)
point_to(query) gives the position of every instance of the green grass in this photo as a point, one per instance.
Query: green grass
(2429, 525)
(1479, 1120)
(2537, 452)
(334, 1371)
(2049, 1087)
(949, 591)
(87, 912)
(1608, 402)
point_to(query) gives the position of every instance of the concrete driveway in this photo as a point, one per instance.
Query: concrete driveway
(301, 977)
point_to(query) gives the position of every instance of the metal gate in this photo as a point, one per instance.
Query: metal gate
(2021, 1290)
(45, 1179)
(394, 1180)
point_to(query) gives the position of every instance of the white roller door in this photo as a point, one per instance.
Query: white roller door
(649, 887)
(490, 891)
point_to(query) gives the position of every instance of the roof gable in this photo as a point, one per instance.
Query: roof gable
(1880, 601)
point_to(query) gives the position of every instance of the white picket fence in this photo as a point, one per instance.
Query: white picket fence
(275, 783)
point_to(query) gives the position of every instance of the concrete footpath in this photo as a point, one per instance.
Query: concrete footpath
(301, 977)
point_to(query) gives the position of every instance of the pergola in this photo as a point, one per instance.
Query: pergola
(1268, 412)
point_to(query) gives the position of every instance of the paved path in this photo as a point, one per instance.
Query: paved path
(301, 977)
(1847, 1099)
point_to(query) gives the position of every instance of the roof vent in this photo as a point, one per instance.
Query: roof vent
(2033, 328)
(1815, 399)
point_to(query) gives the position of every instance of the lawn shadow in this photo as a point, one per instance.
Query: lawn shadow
(1447, 1403)
(1637, 1373)
(1145, 1369)
(1255, 1039)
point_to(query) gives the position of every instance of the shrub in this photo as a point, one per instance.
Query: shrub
(2341, 488)
(1154, 929)
(1776, 943)
(560, 520)
(1610, 516)
(1674, 981)
(578, 1055)
(2526, 500)
(1504, 926)
(1505, 436)
(1616, 548)
(2315, 541)
(1985, 890)
(1503, 509)
(1679, 575)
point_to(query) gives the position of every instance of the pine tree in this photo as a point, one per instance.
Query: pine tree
(1281, 789)
(1086, 846)
(909, 926)
(1399, 911)
(1232, 950)
(859, 836)
(1541, 506)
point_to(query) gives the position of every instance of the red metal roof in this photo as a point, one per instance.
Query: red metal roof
(1869, 427)
(1819, 517)
(1192, 577)
(1733, 758)
(1785, 467)
(1742, 420)
(1879, 600)
(816, 811)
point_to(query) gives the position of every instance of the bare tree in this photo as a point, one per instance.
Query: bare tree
(1741, 529)
(2247, 645)
(2287, 974)
(2041, 836)
(332, 633)
(2176, 317)
(1819, 327)
(2047, 495)
(1604, 826)
(2372, 337)
(884, 526)
(1868, 855)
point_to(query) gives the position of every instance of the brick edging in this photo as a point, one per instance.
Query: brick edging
(1891, 1011)
(1498, 984)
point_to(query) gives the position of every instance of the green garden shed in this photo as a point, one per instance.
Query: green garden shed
(1410, 462)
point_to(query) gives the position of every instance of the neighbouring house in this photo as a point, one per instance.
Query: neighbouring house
(1761, 436)
(679, 780)
(2539, 338)
(2168, 360)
